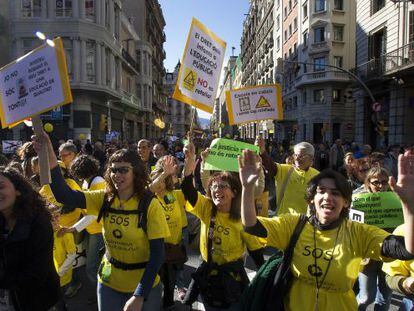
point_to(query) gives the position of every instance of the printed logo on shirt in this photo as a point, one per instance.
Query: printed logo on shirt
(117, 234)
(317, 253)
(119, 220)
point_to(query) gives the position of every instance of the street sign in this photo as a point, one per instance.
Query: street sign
(56, 113)
(376, 107)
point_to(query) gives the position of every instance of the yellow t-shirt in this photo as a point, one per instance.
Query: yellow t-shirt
(354, 242)
(399, 267)
(65, 220)
(174, 215)
(262, 204)
(123, 239)
(62, 246)
(229, 240)
(293, 201)
(95, 227)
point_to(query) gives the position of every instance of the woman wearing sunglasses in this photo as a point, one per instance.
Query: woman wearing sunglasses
(327, 255)
(222, 239)
(372, 283)
(134, 252)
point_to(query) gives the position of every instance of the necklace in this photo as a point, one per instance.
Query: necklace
(319, 284)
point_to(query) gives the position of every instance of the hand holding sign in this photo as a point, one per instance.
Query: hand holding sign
(224, 153)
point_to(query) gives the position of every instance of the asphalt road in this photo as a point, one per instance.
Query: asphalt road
(79, 302)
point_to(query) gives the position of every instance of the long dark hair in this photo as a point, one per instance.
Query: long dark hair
(341, 184)
(235, 187)
(141, 180)
(29, 203)
(84, 166)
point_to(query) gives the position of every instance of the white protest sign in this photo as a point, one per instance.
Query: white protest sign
(33, 84)
(199, 75)
(10, 146)
(254, 103)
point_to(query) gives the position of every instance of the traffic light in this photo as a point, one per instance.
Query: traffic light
(380, 127)
(103, 122)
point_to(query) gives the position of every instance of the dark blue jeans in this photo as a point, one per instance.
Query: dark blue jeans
(372, 287)
(110, 299)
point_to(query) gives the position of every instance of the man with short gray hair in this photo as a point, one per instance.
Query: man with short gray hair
(291, 180)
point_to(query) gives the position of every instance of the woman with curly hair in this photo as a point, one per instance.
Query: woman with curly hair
(133, 236)
(28, 279)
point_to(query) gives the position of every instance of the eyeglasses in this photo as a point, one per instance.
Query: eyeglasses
(300, 156)
(378, 183)
(120, 170)
(221, 186)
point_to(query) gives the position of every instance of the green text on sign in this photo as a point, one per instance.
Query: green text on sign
(223, 154)
(381, 209)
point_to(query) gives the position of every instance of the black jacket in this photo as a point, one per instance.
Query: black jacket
(26, 264)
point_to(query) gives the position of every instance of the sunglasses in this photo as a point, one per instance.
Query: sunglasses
(378, 183)
(121, 169)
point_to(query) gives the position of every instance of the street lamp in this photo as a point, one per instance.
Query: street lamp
(43, 37)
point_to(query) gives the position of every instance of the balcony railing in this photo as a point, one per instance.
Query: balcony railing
(129, 59)
(316, 76)
(319, 47)
(396, 60)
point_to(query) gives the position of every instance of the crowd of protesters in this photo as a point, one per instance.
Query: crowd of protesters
(135, 208)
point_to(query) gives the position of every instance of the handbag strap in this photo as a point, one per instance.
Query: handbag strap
(294, 238)
(284, 185)
(210, 235)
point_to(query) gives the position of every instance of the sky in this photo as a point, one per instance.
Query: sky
(224, 17)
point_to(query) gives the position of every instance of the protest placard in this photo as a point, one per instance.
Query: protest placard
(254, 103)
(10, 146)
(381, 209)
(199, 75)
(33, 84)
(223, 154)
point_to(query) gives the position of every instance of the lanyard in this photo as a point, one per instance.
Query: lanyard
(319, 284)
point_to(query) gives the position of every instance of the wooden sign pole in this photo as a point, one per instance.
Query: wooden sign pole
(44, 167)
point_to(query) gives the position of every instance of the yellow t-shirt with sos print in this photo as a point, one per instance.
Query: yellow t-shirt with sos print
(98, 184)
(399, 267)
(68, 219)
(293, 201)
(173, 204)
(354, 241)
(229, 239)
(123, 239)
(62, 246)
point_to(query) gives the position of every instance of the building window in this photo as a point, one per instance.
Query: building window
(117, 75)
(90, 10)
(305, 11)
(138, 92)
(68, 46)
(107, 13)
(336, 95)
(63, 8)
(290, 30)
(277, 43)
(286, 14)
(108, 67)
(305, 38)
(411, 27)
(117, 21)
(290, 5)
(139, 61)
(377, 5)
(286, 36)
(319, 64)
(295, 48)
(278, 22)
(339, 5)
(319, 34)
(31, 8)
(338, 33)
(304, 97)
(295, 24)
(318, 96)
(90, 61)
(319, 5)
(29, 44)
(338, 61)
(377, 44)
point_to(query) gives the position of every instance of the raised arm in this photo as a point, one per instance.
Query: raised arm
(404, 187)
(187, 186)
(169, 168)
(267, 161)
(62, 192)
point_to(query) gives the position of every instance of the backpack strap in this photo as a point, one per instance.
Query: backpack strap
(91, 181)
(142, 210)
(105, 207)
(143, 205)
